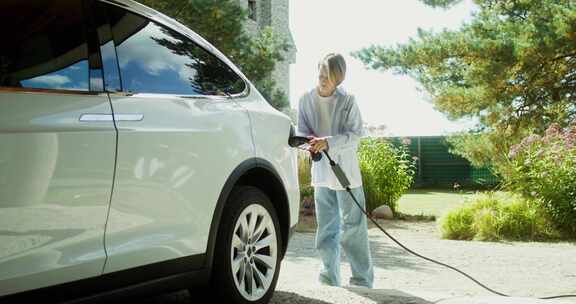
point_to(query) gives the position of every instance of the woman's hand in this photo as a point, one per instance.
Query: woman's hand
(318, 144)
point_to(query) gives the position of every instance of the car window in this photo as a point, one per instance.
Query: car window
(43, 45)
(157, 59)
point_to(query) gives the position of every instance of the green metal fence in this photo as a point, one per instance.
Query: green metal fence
(437, 167)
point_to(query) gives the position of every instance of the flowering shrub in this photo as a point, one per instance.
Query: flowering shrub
(544, 168)
(387, 172)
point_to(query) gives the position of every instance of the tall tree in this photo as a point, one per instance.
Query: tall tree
(513, 66)
(221, 22)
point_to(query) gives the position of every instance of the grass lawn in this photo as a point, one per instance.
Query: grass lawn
(431, 202)
(427, 202)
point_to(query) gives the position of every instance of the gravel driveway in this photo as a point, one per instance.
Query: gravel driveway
(519, 269)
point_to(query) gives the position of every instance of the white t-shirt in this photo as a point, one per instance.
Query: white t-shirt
(325, 106)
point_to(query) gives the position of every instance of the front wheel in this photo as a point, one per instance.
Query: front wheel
(247, 260)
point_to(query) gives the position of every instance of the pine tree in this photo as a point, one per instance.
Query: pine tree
(513, 66)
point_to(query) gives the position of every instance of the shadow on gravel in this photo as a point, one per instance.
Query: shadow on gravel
(389, 256)
(184, 297)
(388, 296)
(281, 297)
(175, 297)
(385, 255)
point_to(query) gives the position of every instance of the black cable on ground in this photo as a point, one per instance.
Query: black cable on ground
(440, 263)
(346, 183)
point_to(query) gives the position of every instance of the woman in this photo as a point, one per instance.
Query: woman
(331, 119)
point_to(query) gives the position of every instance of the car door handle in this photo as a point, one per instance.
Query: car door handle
(108, 117)
(128, 117)
(95, 117)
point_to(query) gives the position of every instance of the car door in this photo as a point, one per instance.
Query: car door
(57, 146)
(179, 138)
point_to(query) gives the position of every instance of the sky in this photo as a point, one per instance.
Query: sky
(320, 27)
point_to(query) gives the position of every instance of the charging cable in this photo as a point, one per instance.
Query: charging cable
(302, 143)
(346, 184)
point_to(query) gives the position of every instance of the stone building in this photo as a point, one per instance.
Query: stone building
(273, 13)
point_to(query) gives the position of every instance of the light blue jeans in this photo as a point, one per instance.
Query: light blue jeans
(341, 222)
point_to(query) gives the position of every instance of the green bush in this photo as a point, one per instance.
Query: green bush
(387, 172)
(458, 225)
(544, 168)
(304, 175)
(304, 166)
(495, 216)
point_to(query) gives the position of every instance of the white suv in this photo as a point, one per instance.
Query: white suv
(134, 154)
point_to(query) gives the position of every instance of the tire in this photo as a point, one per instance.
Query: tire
(247, 257)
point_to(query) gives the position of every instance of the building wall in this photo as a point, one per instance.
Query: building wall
(251, 25)
(275, 13)
(280, 22)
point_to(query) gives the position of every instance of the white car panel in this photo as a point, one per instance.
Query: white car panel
(55, 182)
(62, 218)
(172, 166)
(271, 131)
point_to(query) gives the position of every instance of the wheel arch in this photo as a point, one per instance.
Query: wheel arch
(261, 174)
